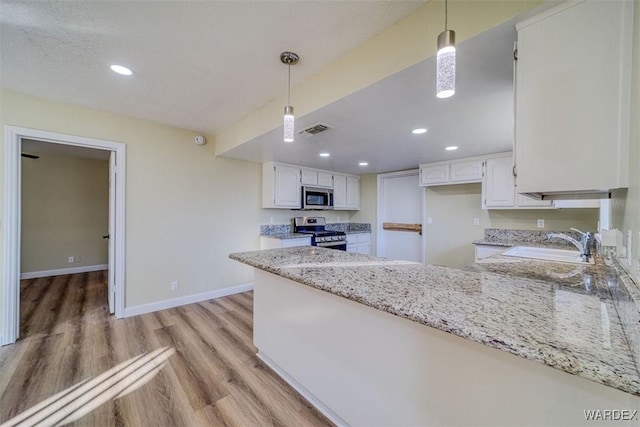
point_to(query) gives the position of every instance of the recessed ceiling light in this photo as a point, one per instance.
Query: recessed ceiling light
(324, 154)
(451, 148)
(363, 164)
(419, 131)
(121, 70)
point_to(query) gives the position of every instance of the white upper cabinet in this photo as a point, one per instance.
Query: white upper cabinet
(498, 187)
(451, 172)
(572, 98)
(434, 174)
(529, 202)
(339, 191)
(346, 192)
(499, 190)
(466, 171)
(309, 177)
(317, 178)
(280, 186)
(353, 192)
(325, 179)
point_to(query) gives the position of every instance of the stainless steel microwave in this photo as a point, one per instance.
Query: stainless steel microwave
(317, 198)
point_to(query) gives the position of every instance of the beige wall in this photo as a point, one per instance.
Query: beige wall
(186, 209)
(65, 212)
(368, 206)
(453, 208)
(626, 204)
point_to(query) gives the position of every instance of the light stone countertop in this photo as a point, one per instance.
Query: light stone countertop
(556, 322)
(286, 236)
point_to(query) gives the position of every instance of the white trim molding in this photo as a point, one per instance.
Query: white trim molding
(11, 228)
(63, 271)
(137, 310)
(10, 285)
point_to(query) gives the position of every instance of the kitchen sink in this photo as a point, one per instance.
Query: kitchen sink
(547, 254)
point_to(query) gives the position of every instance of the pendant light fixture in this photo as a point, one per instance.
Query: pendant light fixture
(289, 58)
(446, 60)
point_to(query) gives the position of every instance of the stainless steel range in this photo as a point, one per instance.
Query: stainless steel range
(319, 236)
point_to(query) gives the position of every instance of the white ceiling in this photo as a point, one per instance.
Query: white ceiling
(198, 65)
(375, 123)
(204, 65)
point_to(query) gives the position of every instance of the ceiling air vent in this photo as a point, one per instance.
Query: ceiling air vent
(315, 129)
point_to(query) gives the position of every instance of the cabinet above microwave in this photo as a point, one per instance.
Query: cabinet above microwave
(282, 187)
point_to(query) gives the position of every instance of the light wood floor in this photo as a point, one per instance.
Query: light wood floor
(212, 379)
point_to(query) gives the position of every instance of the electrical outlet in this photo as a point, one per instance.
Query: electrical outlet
(541, 223)
(174, 286)
(78, 259)
(338, 220)
(71, 260)
(476, 221)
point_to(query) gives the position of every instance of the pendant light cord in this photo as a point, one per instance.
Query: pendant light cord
(446, 13)
(289, 92)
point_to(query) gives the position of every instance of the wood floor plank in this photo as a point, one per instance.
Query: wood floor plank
(211, 377)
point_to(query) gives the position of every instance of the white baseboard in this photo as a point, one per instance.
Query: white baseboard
(63, 271)
(189, 299)
(324, 409)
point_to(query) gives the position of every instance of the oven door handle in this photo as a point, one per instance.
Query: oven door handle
(329, 244)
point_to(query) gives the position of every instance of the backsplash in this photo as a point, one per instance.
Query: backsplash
(347, 227)
(531, 236)
(271, 229)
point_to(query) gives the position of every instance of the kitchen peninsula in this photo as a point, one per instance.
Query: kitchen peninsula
(371, 341)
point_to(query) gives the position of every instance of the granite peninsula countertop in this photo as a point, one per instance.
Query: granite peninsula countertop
(555, 323)
(287, 235)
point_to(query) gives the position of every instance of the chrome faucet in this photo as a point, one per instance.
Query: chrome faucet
(586, 243)
(584, 247)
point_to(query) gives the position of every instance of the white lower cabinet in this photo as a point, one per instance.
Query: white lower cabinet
(359, 242)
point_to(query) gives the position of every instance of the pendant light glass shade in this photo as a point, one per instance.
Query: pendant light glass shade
(446, 64)
(289, 126)
(289, 59)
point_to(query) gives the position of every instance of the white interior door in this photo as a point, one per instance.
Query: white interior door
(112, 231)
(400, 201)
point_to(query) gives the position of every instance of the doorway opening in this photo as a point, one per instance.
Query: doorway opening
(401, 204)
(14, 139)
